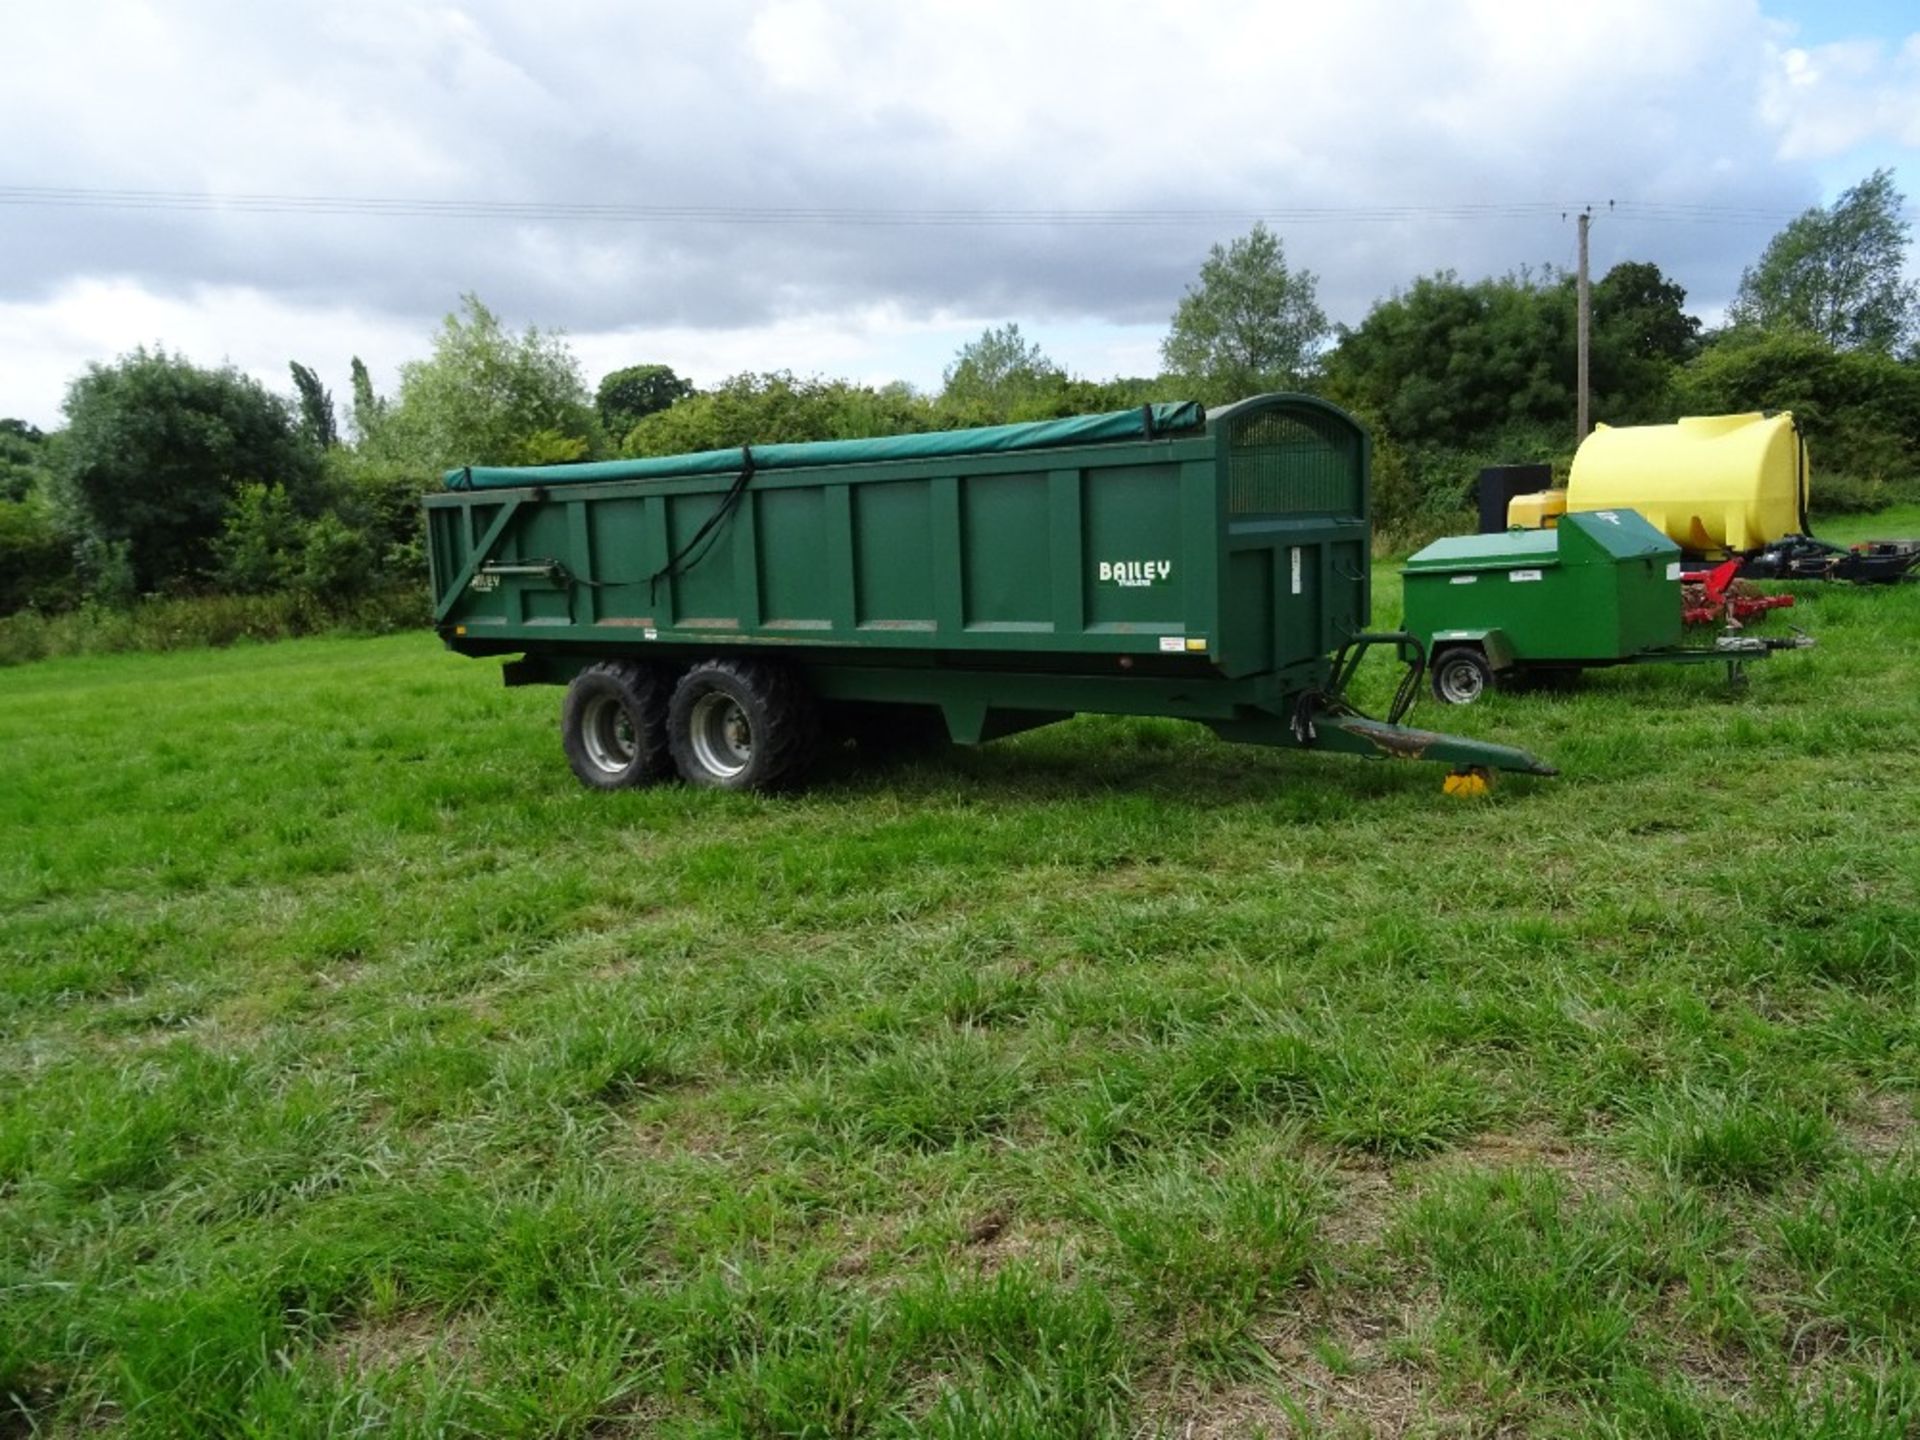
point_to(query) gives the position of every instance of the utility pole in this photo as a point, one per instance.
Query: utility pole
(1584, 332)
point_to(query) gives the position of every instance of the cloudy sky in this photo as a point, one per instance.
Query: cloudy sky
(855, 187)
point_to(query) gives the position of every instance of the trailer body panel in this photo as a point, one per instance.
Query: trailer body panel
(1597, 587)
(1244, 542)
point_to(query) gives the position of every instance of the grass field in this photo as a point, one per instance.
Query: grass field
(359, 1071)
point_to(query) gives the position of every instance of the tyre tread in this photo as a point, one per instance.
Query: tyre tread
(787, 741)
(648, 690)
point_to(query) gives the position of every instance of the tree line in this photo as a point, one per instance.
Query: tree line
(173, 479)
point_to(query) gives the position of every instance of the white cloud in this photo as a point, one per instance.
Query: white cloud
(1829, 99)
(45, 344)
(800, 45)
(976, 105)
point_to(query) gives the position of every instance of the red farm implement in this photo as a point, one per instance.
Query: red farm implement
(1718, 596)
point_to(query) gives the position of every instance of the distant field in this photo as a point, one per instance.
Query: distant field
(359, 1071)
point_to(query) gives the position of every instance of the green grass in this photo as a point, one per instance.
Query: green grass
(1893, 523)
(359, 1071)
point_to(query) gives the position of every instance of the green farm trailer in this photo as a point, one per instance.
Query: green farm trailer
(717, 614)
(1601, 588)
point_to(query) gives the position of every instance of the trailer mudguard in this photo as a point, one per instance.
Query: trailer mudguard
(1493, 643)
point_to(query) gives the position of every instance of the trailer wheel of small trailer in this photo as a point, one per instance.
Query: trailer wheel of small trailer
(1461, 675)
(613, 725)
(742, 725)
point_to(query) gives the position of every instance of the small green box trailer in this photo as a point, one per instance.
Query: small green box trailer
(1600, 588)
(717, 613)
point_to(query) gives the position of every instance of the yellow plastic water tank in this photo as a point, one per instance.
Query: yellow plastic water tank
(1537, 511)
(1711, 482)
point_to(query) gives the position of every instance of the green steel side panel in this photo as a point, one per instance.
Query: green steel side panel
(476, 535)
(888, 555)
(1248, 625)
(1647, 605)
(1546, 612)
(1005, 581)
(1134, 573)
(790, 527)
(701, 594)
(892, 543)
(1163, 420)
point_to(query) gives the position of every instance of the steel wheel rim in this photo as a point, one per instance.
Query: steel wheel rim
(720, 733)
(607, 735)
(1460, 682)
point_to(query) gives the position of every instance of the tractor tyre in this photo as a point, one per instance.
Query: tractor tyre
(613, 725)
(742, 725)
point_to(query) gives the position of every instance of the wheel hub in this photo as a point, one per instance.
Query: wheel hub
(607, 735)
(1460, 683)
(721, 734)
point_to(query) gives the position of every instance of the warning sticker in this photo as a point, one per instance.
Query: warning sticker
(1296, 569)
(1673, 570)
(1464, 580)
(1174, 644)
(1518, 575)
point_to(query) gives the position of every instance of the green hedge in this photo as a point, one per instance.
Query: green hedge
(199, 621)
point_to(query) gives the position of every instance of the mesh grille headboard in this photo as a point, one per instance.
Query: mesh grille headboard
(1293, 462)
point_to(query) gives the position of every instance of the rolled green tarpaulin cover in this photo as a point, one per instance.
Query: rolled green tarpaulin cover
(1172, 419)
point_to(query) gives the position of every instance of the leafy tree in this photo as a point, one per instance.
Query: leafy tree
(257, 549)
(1639, 312)
(776, 408)
(36, 558)
(316, 408)
(369, 410)
(1093, 397)
(24, 458)
(1452, 376)
(626, 397)
(266, 546)
(1837, 273)
(1642, 335)
(1000, 377)
(1461, 365)
(779, 407)
(1250, 324)
(1860, 409)
(1452, 363)
(156, 448)
(336, 560)
(488, 397)
(380, 499)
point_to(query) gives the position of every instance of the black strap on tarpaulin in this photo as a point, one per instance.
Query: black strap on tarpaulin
(701, 541)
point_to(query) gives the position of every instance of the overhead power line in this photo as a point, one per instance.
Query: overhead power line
(551, 211)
